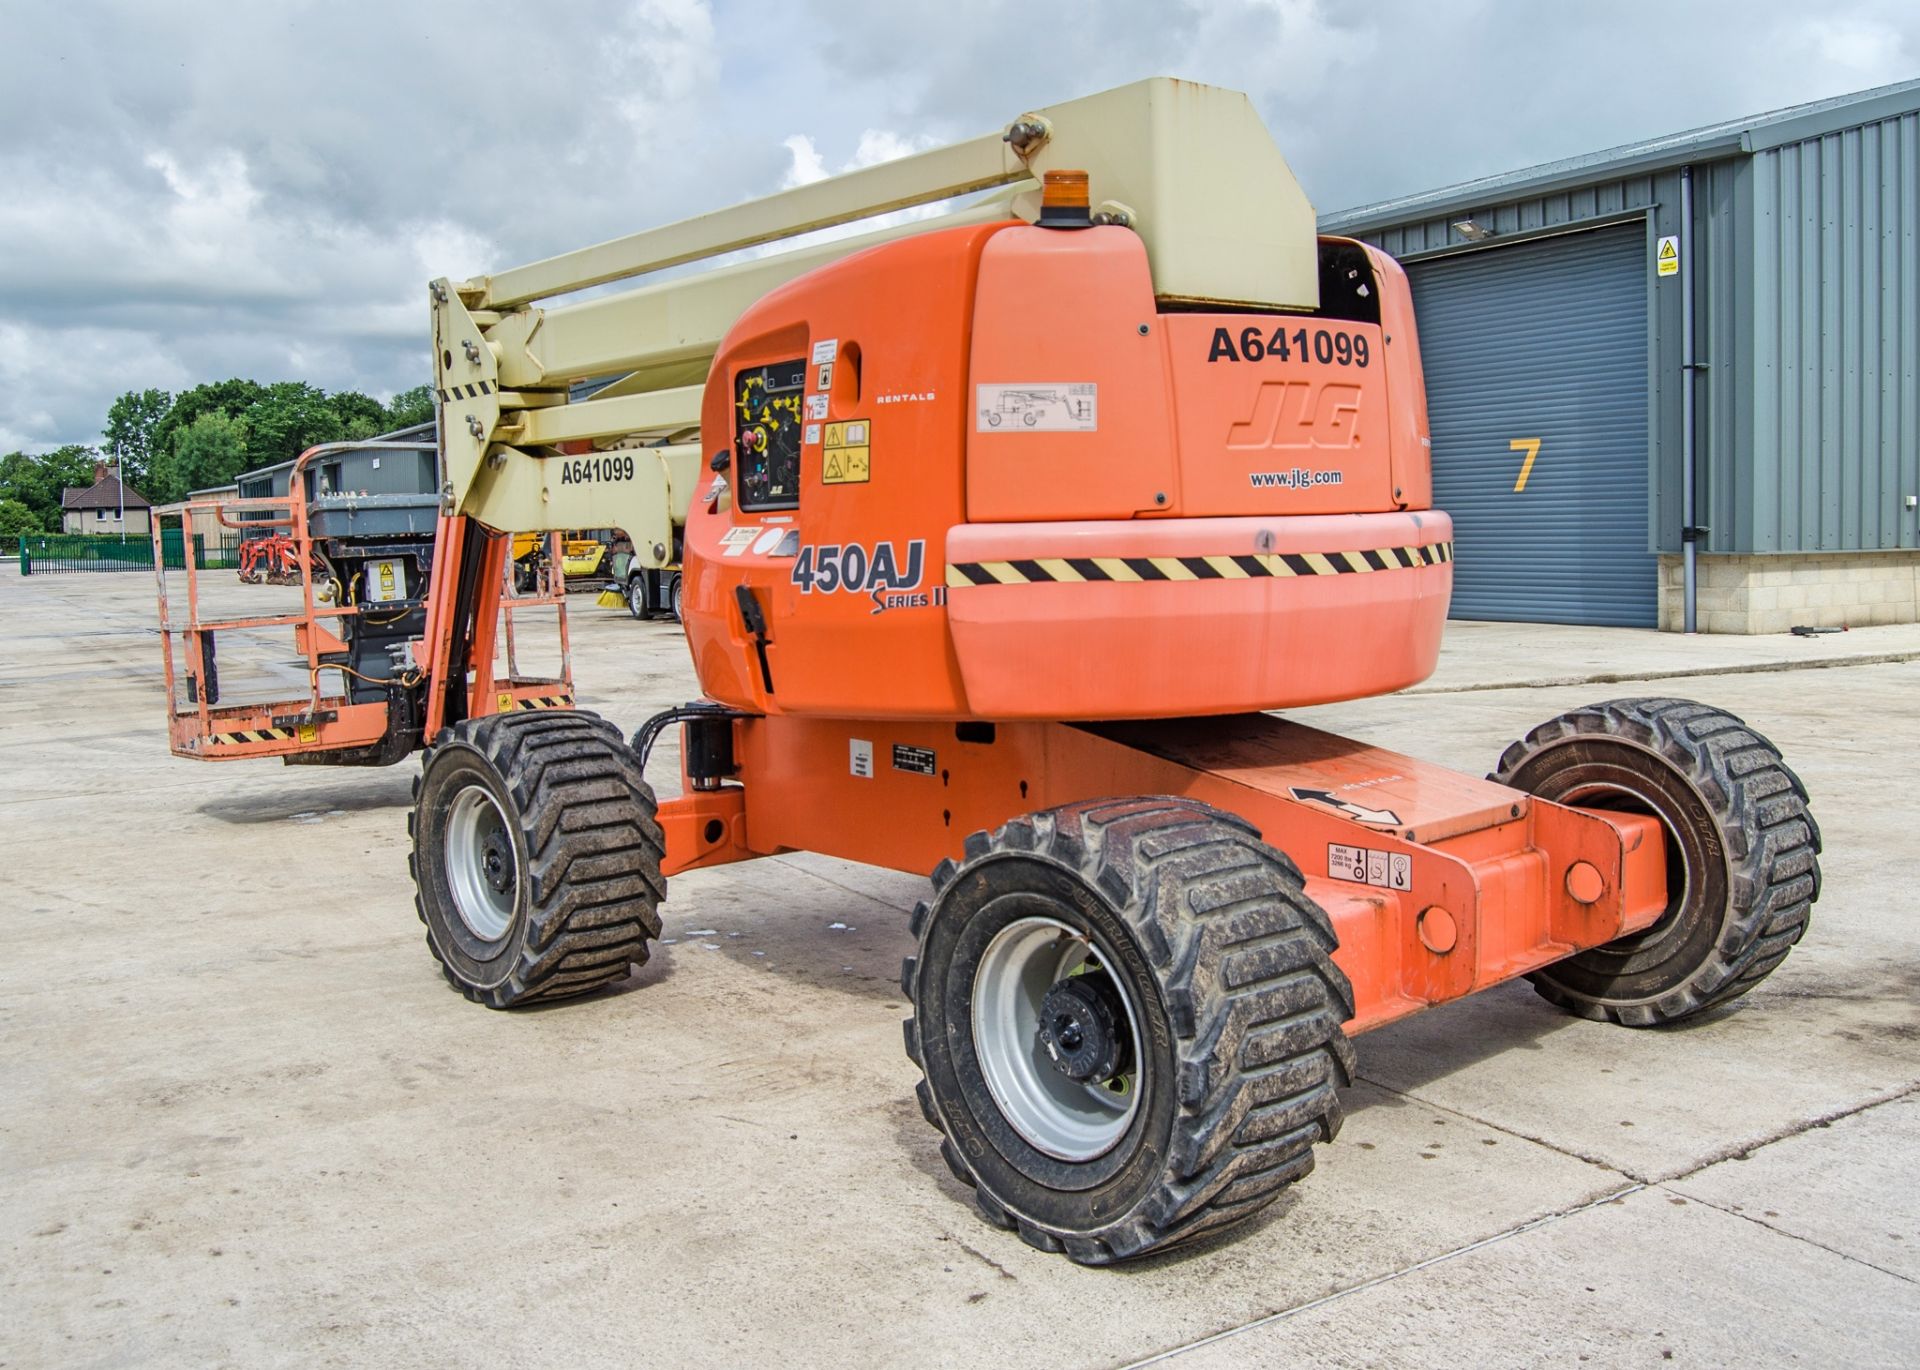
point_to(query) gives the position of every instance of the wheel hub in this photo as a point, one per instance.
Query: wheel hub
(1056, 1037)
(499, 865)
(1080, 1027)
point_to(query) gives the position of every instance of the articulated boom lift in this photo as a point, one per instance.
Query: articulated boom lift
(1004, 531)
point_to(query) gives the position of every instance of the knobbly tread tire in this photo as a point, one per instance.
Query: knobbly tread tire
(1766, 831)
(593, 853)
(1243, 964)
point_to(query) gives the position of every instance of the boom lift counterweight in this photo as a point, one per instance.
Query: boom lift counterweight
(1004, 532)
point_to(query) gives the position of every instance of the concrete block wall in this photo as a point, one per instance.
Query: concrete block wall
(1775, 593)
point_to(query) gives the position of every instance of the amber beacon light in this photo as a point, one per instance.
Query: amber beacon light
(1063, 200)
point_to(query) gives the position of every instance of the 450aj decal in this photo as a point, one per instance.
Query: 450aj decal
(890, 577)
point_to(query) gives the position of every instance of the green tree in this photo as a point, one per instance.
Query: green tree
(17, 519)
(361, 416)
(231, 397)
(24, 481)
(410, 407)
(38, 481)
(210, 451)
(289, 418)
(133, 422)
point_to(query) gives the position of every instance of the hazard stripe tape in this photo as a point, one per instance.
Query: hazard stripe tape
(1028, 571)
(544, 702)
(466, 392)
(251, 735)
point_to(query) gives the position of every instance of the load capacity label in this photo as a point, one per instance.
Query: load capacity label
(1390, 870)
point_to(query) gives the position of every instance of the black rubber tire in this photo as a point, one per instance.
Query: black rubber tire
(1742, 852)
(1232, 966)
(673, 596)
(587, 854)
(635, 593)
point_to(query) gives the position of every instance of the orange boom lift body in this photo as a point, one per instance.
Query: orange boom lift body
(960, 635)
(1004, 537)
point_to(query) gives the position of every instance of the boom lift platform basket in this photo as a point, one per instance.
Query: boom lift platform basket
(363, 568)
(1005, 530)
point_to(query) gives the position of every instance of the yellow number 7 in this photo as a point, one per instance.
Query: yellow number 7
(1531, 446)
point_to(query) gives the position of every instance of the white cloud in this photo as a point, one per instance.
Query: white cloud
(204, 189)
(807, 166)
(55, 368)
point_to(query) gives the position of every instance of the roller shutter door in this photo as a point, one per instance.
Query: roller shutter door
(1545, 340)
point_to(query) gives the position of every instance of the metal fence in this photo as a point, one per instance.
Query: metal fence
(43, 554)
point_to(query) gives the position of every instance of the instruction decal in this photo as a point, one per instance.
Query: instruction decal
(1666, 257)
(1390, 870)
(918, 760)
(860, 758)
(1346, 808)
(847, 457)
(816, 406)
(812, 434)
(825, 382)
(735, 540)
(825, 351)
(1038, 407)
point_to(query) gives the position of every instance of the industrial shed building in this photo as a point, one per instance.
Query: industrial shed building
(364, 471)
(1571, 389)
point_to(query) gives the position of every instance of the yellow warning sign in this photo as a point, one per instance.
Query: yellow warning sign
(846, 466)
(846, 457)
(307, 732)
(1666, 259)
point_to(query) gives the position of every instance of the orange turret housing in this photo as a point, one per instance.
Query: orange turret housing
(965, 467)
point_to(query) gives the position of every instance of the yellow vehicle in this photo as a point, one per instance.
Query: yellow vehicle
(583, 556)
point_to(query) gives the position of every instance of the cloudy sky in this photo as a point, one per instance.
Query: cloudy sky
(194, 190)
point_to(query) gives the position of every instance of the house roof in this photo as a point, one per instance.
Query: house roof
(1731, 137)
(104, 493)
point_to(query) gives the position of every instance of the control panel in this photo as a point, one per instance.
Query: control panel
(766, 433)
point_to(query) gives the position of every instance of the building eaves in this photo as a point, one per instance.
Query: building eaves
(1729, 138)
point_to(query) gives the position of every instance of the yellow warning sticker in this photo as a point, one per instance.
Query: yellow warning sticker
(846, 466)
(307, 732)
(1666, 259)
(506, 702)
(846, 455)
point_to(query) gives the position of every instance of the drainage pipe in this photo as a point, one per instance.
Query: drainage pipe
(1689, 532)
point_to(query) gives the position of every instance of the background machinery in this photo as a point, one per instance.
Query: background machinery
(1005, 531)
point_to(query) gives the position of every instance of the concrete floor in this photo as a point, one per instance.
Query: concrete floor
(245, 1123)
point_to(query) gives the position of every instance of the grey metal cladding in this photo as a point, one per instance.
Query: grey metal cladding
(1835, 378)
(1804, 259)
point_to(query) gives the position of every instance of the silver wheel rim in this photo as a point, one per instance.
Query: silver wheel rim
(483, 870)
(1067, 1119)
(636, 597)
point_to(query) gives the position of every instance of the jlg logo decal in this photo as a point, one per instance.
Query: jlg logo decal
(1299, 414)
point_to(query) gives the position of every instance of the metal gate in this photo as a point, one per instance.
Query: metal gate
(44, 554)
(1536, 363)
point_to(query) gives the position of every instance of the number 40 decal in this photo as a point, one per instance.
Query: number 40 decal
(1531, 446)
